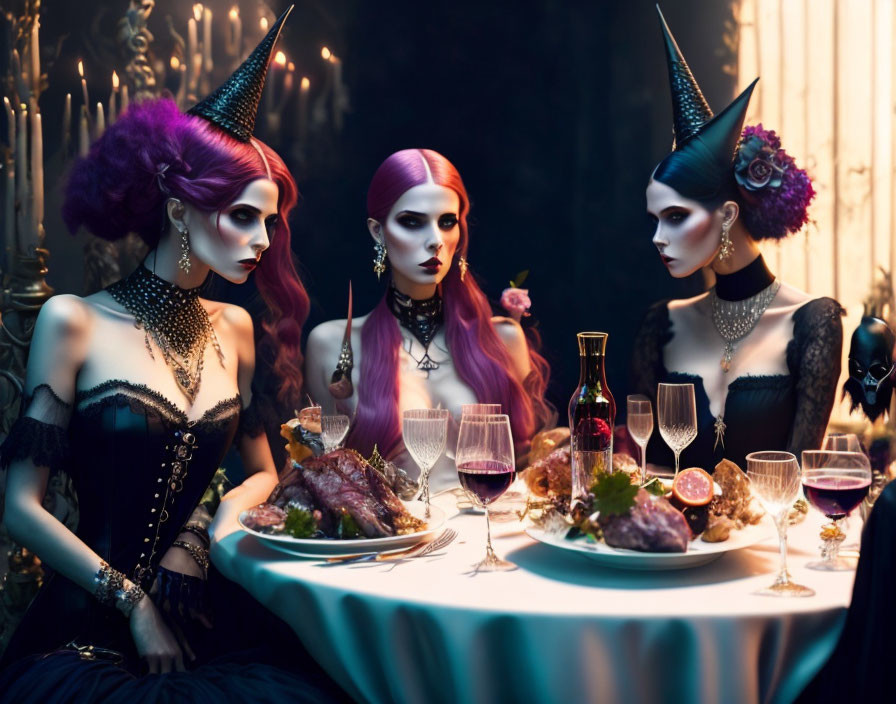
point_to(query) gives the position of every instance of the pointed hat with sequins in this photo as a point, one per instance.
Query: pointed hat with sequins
(694, 124)
(233, 107)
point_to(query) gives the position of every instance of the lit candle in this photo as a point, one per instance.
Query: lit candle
(35, 57)
(304, 89)
(276, 66)
(115, 84)
(125, 100)
(192, 41)
(22, 172)
(83, 84)
(10, 186)
(235, 43)
(263, 23)
(179, 69)
(83, 136)
(287, 86)
(67, 126)
(37, 175)
(18, 74)
(100, 121)
(337, 91)
(207, 64)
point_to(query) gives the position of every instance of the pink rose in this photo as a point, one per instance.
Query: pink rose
(516, 301)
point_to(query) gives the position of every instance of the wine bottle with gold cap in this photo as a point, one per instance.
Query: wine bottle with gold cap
(592, 413)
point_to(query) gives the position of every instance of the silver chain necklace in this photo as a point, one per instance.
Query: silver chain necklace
(734, 320)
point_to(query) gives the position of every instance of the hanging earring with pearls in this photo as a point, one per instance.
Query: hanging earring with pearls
(727, 247)
(379, 259)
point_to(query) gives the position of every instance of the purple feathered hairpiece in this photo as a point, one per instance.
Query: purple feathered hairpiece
(777, 192)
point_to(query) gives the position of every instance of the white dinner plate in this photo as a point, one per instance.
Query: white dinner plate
(699, 552)
(323, 547)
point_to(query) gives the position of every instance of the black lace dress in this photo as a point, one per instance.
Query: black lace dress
(774, 412)
(139, 468)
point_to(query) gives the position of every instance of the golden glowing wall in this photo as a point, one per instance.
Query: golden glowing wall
(827, 87)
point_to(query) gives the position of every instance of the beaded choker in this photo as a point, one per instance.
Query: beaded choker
(421, 318)
(175, 320)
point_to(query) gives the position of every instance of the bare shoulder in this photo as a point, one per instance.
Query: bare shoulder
(510, 331)
(328, 336)
(64, 315)
(792, 296)
(689, 304)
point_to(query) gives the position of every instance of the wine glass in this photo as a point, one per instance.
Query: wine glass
(842, 442)
(775, 481)
(677, 413)
(424, 431)
(834, 483)
(485, 465)
(480, 409)
(333, 430)
(640, 426)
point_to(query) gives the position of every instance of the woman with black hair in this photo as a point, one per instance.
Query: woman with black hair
(764, 357)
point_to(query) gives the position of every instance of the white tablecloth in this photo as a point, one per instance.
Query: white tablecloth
(558, 629)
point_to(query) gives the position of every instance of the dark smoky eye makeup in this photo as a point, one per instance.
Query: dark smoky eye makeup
(448, 221)
(409, 220)
(243, 215)
(675, 215)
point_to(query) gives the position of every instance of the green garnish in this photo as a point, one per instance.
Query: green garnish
(614, 494)
(655, 487)
(348, 527)
(299, 523)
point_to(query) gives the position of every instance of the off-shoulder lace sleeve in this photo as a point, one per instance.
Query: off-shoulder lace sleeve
(813, 357)
(41, 432)
(647, 355)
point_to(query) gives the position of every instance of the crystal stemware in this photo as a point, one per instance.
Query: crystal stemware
(333, 430)
(424, 432)
(842, 442)
(480, 409)
(677, 414)
(835, 483)
(639, 419)
(775, 482)
(485, 464)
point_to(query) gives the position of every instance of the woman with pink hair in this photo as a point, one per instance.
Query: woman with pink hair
(136, 392)
(432, 341)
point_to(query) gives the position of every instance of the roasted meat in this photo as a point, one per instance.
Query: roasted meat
(651, 525)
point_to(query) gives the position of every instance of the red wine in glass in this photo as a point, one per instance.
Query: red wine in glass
(836, 497)
(485, 479)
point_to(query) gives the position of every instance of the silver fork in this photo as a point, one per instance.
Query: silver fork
(445, 538)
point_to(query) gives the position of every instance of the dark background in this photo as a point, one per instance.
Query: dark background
(553, 112)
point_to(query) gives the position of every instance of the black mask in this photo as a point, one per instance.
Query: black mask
(871, 369)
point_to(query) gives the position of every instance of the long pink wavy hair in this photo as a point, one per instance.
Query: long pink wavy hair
(479, 355)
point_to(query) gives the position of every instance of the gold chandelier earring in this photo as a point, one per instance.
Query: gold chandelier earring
(727, 247)
(379, 259)
(184, 262)
(463, 265)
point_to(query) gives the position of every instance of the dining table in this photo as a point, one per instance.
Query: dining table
(558, 628)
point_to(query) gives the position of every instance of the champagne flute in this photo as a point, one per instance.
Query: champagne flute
(677, 413)
(485, 464)
(835, 483)
(640, 426)
(775, 482)
(424, 431)
(333, 430)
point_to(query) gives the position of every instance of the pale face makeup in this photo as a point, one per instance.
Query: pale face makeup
(230, 241)
(687, 235)
(421, 234)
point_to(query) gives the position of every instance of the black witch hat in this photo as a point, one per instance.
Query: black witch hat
(694, 122)
(234, 105)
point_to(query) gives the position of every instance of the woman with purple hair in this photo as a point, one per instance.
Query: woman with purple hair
(137, 392)
(432, 341)
(763, 356)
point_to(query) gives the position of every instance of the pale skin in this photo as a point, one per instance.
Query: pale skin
(71, 351)
(422, 224)
(688, 237)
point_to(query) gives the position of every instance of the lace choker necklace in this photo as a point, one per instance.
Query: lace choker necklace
(175, 320)
(421, 318)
